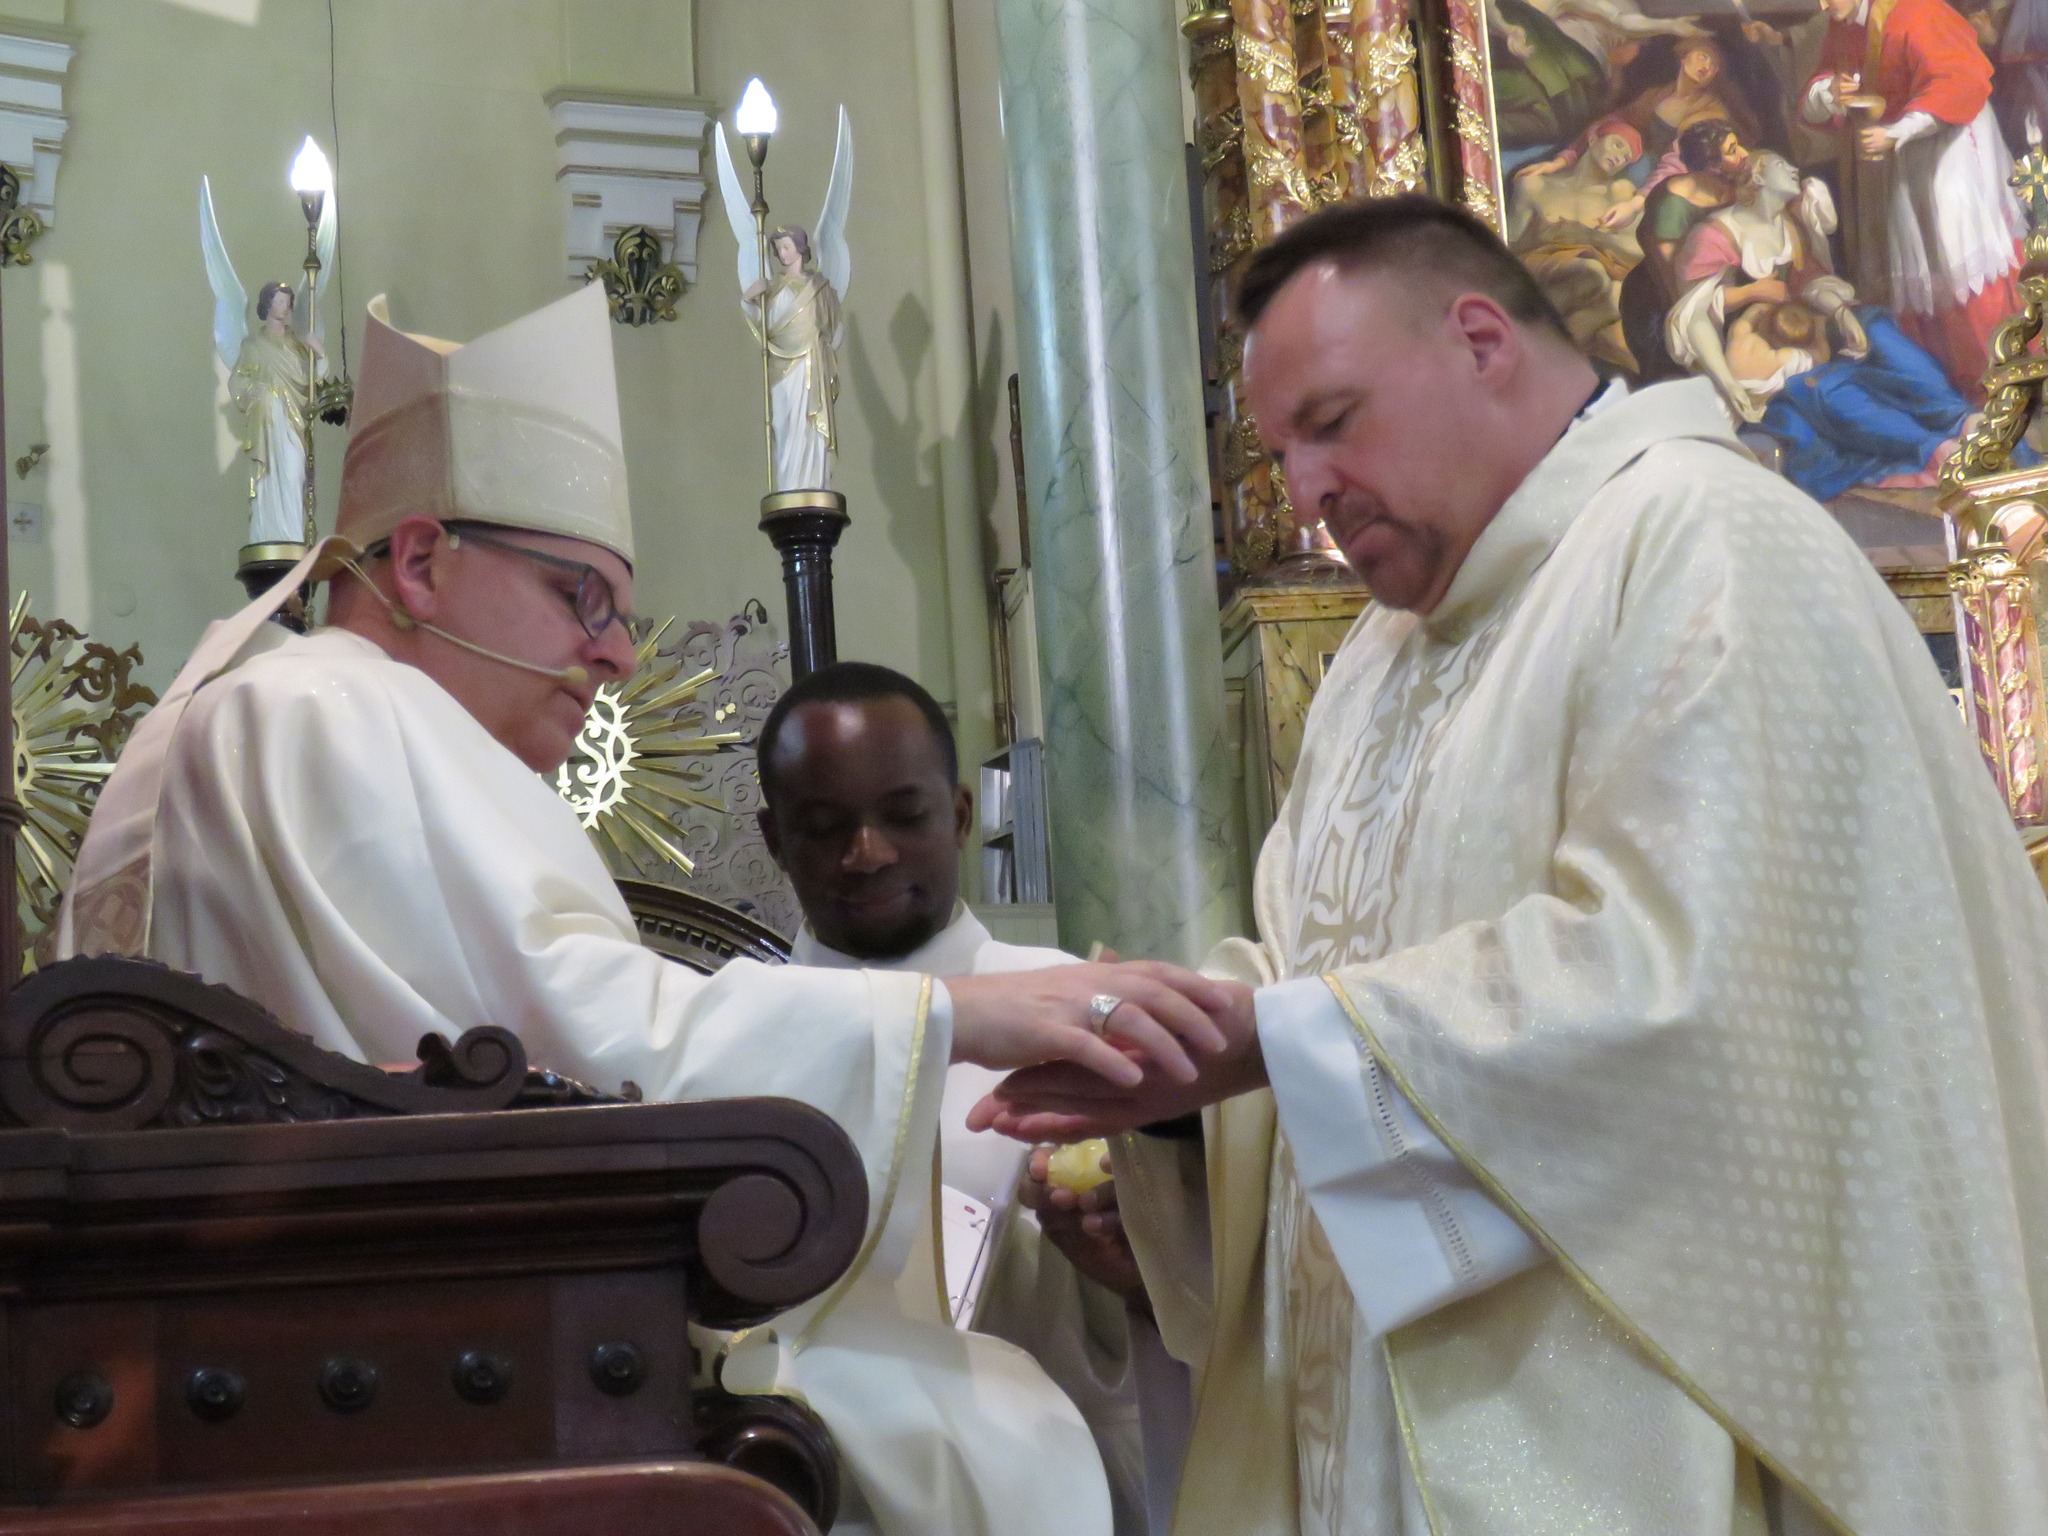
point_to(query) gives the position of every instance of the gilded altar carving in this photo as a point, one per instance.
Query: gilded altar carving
(663, 775)
(1987, 496)
(1298, 104)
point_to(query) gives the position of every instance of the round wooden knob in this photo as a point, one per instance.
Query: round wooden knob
(348, 1385)
(618, 1368)
(482, 1376)
(215, 1393)
(84, 1398)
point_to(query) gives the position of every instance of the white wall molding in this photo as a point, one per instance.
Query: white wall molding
(33, 67)
(624, 160)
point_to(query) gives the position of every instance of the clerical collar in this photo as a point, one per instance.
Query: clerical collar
(1605, 393)
(949, 952)
(1616, 428)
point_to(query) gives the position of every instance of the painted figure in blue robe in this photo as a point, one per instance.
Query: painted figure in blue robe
(1859, 421)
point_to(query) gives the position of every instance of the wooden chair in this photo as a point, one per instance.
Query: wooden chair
(700, 933)
(245, 1281)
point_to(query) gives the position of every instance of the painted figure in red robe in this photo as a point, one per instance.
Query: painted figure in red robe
(1954, 226)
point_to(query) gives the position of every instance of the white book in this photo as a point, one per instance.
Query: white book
(967, 1231)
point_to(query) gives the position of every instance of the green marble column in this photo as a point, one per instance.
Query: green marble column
(1129, 646)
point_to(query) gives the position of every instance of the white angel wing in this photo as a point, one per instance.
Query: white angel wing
(828, 238)
(230, 298)
(739, 213)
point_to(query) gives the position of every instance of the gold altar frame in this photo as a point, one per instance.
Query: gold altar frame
(1454, 68)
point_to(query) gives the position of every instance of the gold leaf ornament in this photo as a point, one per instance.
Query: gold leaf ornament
(1389, 60)
(75, 702)
(626, 777)
(1267, 63)
(1402, 170)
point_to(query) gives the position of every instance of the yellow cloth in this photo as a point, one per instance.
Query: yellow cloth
(1656, 871)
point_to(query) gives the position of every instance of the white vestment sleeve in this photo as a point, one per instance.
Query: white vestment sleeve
(1913, 125)
(1410, 1226)
(1819, 104)
(342, 842)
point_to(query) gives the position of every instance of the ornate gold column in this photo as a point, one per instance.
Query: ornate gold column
(1387, 98)
(1299, 103)
(1249, 534)
(1337, 96)
(1269, 101)
(1278, 193)
(1983, 493)
(1467, 92)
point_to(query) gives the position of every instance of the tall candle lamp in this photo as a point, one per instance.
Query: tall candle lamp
(755, 121)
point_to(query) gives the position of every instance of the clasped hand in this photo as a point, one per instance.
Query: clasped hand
(1176, 1042)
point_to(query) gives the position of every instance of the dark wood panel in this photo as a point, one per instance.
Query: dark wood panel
(676, 1499)
(231, 1261)
(761, 1200)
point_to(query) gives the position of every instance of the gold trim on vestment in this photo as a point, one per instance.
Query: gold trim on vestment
(881, 1223)
(1409, 1447)
(1599, 1297)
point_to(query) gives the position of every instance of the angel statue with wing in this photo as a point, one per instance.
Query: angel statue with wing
(801, 295)
(274, 377)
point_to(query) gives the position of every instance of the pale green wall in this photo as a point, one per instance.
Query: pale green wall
(448, 202)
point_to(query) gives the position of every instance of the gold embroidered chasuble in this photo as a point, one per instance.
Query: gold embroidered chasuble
(1656, 871)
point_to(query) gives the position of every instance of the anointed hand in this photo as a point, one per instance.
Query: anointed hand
(1061, 1102)
(1164, 1018)
(1085, 1226)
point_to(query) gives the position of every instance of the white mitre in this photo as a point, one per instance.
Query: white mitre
(519, 428)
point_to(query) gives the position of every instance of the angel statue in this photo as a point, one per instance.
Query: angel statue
(802, 294)
(275, 375)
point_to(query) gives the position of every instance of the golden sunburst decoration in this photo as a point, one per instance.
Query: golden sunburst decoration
(74, 705)
(623, 779)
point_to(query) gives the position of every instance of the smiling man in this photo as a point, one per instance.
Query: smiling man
(357, 828)
(866, 813)
(1649, 983)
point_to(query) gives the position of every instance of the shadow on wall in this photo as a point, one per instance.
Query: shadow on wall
(989, 431)
(905, 453)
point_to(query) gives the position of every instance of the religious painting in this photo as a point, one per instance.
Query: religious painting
(1805, 201)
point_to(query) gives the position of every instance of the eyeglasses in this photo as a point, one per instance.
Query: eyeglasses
(595, 604)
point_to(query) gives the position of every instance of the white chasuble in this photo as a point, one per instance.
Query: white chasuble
(328, 832)
(1133, 1396)
(1654, 874)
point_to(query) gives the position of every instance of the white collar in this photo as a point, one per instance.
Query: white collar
(1615, 392)
(949, 952)
(1600, 442)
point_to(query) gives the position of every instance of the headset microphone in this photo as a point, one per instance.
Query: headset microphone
(574, 676)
